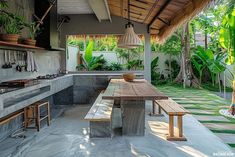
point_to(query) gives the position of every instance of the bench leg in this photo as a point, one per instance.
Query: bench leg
(154, 109)
(171, 127)
(100, 129)
(171, 136)
(180, 126)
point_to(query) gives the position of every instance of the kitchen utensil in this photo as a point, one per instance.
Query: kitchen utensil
(9, 59)
(14, 57)
(18, 67)
(4, 66)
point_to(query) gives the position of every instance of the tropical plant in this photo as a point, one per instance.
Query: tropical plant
(97, 63)
(33, 29)
(11, 23)
(88, 52)
(115, 67)
(227, 36)
(154, 68)
(173, 67)
(227, 41)
(14, 25)
(208, 60)
(135, 64)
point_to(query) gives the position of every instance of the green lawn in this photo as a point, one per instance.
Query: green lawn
(204, 105)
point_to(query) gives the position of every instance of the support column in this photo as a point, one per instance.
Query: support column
(147, 57)
(133, 117)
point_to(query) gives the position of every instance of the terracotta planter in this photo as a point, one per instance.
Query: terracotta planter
(29, 42)
(129, 77)
(11, 38)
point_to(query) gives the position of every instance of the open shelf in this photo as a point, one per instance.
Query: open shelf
(8, 45)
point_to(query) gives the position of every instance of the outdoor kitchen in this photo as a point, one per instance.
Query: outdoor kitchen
(76, 79)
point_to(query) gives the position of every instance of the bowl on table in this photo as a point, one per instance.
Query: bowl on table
(129, 77)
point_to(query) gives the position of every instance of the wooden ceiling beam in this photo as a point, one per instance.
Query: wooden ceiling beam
(151, 10)
(159, 12)
(160, 19)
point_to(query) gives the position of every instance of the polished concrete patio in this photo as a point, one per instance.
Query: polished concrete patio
(68, 137)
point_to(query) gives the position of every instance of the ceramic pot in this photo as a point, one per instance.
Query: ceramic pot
(31, 42)
(11, 38)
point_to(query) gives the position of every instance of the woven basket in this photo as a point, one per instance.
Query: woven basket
(129, 77)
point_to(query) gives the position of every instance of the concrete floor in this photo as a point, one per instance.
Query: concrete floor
(68, 137)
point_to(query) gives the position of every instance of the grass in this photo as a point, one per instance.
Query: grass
(215, 88)
(203, 100)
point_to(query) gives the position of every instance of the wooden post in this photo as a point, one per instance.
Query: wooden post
(171, 126)
(48, 114)
(180, 126)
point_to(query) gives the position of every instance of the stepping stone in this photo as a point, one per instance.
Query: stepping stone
(220, 126)
(227, 138)
(211, 118)
(210, 107)
(201, 111)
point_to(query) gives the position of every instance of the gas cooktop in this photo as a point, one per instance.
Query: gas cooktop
(49, 76)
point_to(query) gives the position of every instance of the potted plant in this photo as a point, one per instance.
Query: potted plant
(33, 31)
(12, 26)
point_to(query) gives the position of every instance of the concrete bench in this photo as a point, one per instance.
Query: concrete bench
(171, 108)
(100, 117)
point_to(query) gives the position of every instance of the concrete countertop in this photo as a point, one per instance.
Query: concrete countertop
(52, 86)
(48, 87)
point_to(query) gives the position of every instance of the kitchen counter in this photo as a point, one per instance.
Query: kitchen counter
(18, 99)
(84, 84)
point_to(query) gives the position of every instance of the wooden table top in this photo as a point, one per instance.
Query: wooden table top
(139, 89)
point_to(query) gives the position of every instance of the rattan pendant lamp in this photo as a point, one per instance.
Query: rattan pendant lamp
(130, 39)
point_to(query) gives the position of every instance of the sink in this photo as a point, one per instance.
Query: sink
(6, 89)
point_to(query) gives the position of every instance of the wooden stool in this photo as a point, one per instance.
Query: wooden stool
(33, 113)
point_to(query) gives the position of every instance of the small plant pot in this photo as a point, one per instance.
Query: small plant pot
(11, 38)
(31, 42)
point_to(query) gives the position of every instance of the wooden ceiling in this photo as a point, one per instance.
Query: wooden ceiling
(157, 14)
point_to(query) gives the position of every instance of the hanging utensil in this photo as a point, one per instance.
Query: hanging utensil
(9, 59)
(18, 68)
(4, 66)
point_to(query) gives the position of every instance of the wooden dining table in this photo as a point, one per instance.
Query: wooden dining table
(131, 97)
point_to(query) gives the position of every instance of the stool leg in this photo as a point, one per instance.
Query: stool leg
(180, 126)
(38, 118)
(171, 126)
(153, 104)
(159, 110)
(48, 114)
(25, 118)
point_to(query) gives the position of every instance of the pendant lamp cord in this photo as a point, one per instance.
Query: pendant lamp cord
(129, 17)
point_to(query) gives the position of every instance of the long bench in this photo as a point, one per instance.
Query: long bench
(100, 117)
(171, 108)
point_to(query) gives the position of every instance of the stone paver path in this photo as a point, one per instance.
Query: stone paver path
(204, 106)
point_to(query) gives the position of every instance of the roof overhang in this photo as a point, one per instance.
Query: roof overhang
(163, 17)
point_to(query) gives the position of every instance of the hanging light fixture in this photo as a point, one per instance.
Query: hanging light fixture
(130, 39)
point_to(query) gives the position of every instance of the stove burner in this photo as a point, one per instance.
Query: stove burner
(49, 76)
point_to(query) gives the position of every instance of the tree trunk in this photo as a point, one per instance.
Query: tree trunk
(186, 72)
(233, 96)
(170, 67)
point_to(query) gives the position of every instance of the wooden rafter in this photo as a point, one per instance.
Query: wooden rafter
(163, 17)
(151, 10)
(159, 12)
